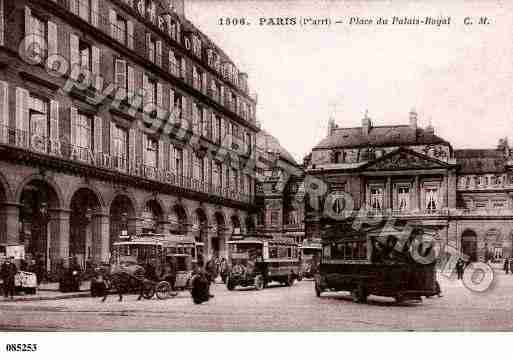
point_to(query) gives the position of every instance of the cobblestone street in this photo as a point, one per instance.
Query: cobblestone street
(276, 308)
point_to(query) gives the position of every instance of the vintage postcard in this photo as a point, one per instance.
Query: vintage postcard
(234, 166)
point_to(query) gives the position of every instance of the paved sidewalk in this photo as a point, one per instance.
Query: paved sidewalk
(49, 291)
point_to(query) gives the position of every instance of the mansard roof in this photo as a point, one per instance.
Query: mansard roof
(398, 135)
(473, 161)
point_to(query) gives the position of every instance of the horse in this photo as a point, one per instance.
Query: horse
(125, 279)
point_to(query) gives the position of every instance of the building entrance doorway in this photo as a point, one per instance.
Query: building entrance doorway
(469, 244)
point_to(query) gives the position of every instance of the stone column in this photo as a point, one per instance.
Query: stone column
(164, 226)
(10, 221)
(388, 194)
(58, 235)
(101, 237)
(416, 194)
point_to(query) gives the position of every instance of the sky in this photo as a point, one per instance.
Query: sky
(458, 77)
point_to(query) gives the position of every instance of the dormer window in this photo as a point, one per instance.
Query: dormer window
(196, 46)
(151, 10)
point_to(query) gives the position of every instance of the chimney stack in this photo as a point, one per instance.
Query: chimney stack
(366, 124)
(413, 119)
(430, 130)
(331, 126)
(177, 6)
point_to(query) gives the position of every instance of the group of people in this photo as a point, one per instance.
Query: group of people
(8, 271)
(508, 265)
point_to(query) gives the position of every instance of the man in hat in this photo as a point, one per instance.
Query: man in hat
(8, 271)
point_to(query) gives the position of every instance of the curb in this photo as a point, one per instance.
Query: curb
(63, 296)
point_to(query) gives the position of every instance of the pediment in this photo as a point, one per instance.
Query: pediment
(403, 159)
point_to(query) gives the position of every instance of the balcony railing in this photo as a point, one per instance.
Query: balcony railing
(64, 150)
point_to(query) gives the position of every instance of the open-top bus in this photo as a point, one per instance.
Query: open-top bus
(368, 262)
(256, 260)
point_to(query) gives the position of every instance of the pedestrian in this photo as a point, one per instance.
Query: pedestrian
(506, 266)
(8, 272)
(460, 268)
(212, 270)
(224, 269)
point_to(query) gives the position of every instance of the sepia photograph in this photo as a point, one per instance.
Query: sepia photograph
(253, 166)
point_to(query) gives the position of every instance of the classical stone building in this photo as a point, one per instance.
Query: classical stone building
(280, 189)
(408, 174)
(76, 171)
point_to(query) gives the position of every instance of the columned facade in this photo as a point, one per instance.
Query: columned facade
(169, 150)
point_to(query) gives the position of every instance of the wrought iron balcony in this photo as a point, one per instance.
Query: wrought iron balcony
(63, 150)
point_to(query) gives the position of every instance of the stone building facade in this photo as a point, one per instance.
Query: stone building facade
(83, 155)
(280, 192)
(407, 174)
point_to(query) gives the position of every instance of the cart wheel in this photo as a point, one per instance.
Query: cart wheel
(259, 282)
(163, 290)
(148, 290)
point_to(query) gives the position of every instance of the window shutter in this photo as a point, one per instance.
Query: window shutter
(213, 125)
(184, 107)
(28, 21)
(158, 56)
(2, 23)
(94, 12)
(55, 144)
(204, 82)
(73, 6)
(183, 68)
(112, 130)
(28, 29)
(172, 63)
(131, 147)
(145, 87)
(171, 99)
(22, 116)
(186, 159)
(4, 111)
(206, 169)
(52, 38)
(172, 157)
(160, 100)
(113, 26)
(221, 96)
(148, 41)
(161, 155)
(73, 121)
(130, 34)
(73, 48)
(160, 94)
(120, 73)
(98, 138)
(131, 81)
(95, 54)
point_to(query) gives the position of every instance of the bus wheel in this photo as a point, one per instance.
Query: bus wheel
(230, 285)
(359, 294)
(290, 280)
(259, 282)
(318, 290)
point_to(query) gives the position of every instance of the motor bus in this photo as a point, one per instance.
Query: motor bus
(367, 262)
(310, 255)
(257, 260)
(159, 250)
